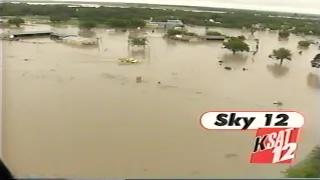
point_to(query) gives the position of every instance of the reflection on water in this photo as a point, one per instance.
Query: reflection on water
(313, 81)
(283, 40)
(171, 42)
(76, 112)
(141, 52)
(278, 70)
(302, 48)
(15, 29)
(234, 60)
(93, 47)
(87, 33)
(116, 32)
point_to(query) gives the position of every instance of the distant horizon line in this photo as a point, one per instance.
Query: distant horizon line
(151, 3)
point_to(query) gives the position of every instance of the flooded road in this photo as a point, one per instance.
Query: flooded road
(72, 112)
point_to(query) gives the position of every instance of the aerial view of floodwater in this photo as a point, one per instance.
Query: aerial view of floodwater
(75, 112)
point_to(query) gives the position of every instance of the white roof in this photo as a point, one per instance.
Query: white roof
(77, 38)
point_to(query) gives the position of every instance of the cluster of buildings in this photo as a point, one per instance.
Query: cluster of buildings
(168, 24)
(62, 37)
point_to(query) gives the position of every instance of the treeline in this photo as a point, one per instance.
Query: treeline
(133, 17)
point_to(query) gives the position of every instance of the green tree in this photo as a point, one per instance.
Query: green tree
(304, 43)
(126, 23)
(308, 168)
(253, 29)
(56, 18)
(284, 34)
(139, 41)
(242, 37)
(307, 29)
(190, 33)
(17, 21)
(134, 23)
(281, 54)
(236, 45)
(117, 23)
(87, 25)
(173, 32)
(273, 26)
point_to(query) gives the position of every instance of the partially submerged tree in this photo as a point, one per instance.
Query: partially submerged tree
(87, 25)
(134, 23)
(281, 54)
(242, 37)
(308, 168)
(284, 34)
(236, 45)
(274, 26)
(57, 18)
(139, 41)
(253, 29)
(306, 29)
(304, 43)
(17, 21)
(173, 32)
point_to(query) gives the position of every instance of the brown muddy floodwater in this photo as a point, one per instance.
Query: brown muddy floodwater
(72, 112)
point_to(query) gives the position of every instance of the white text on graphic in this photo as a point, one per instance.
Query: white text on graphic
(245, 120)
(277, 132)
(279, 141)
(231, 119)
(272, 140)
(282, 119)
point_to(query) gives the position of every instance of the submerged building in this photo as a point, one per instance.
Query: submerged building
(76, 40)
(170, 24)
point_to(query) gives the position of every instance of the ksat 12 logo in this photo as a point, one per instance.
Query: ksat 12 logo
(277, 131)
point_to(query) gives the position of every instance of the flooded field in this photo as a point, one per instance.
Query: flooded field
(74, 112)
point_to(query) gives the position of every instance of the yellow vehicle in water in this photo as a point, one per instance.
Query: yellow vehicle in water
(128, 60)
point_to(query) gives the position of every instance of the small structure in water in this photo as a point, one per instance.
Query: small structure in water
(227, 68)
(139, 79)
(278, 103)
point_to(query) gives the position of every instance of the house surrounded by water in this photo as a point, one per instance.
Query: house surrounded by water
(168, 24)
